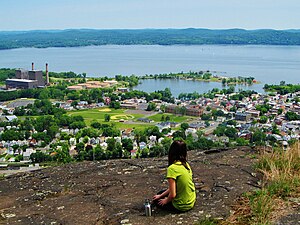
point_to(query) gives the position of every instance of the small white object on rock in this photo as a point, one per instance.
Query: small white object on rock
(9, 215)
(124, 221)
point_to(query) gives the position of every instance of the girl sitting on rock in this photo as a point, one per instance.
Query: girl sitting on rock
(181, 194)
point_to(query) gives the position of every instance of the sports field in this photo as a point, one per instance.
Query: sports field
(117, 116)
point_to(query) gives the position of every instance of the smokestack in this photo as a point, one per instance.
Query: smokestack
(47, 75)
(32, 66)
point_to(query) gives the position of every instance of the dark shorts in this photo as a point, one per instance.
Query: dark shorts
(167, 207)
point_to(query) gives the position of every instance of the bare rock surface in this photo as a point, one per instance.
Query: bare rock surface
(113, 191)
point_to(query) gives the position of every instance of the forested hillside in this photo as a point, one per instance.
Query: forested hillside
(87, 37)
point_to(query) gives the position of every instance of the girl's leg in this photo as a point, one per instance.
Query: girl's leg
(168, 207)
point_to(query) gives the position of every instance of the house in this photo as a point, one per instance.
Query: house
(193, 132)
(242, 116)
(142, 145)
(145, 120)
(160, 140)
(27, 153)
(118, 139)
(129, 105)
(103, 145)
(133, 153)
(245, 135)
(123, 90)
(190, 110)
(92, 141)
(152, 138)
(127, 133)
(197, 126)
(11, 118)
(163, 125)
(254, 113)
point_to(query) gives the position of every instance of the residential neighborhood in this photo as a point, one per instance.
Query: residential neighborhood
(255, 119)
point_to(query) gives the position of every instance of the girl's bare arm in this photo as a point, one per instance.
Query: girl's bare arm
(171, 192)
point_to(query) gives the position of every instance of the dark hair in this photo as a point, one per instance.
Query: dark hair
(178, 152)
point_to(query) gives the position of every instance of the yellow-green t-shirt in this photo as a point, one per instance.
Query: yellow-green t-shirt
(185, 188)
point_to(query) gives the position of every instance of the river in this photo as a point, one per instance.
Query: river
(268, 64)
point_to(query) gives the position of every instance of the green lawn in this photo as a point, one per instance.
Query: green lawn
(115, 116)
(173, 118)
(135, 126)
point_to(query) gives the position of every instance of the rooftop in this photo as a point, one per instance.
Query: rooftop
(22, 80)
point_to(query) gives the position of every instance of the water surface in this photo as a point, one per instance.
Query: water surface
(268, 64)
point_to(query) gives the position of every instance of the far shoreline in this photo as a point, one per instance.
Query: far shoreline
(161, 45)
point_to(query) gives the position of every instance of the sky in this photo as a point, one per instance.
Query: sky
(136, 14)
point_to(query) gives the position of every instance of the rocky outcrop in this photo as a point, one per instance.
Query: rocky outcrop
(113, 192)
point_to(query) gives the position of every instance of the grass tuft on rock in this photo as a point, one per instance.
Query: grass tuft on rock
(281, 181)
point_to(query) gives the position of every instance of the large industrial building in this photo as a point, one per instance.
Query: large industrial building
(28, 79)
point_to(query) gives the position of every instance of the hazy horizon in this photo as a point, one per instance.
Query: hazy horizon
(151, 28)
(27, 15)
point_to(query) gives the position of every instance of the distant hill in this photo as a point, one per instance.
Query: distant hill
(190, 36)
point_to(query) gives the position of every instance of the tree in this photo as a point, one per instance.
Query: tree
(19, 111)
(145, 153)
(127, 144)
(117, 152)
(111, 143)
(223, 81)
(263, 119)
(292, 116)
(96, 125)
(282, 83)
(231, 132)
(99, 153)
(179, 134)
(190, 142)
(166, 143)
(184, 126)
(219, 131)
(204, 143)
(77, 124)
(162, 108)
(242, 142)
(275, 129)
(53, 130)
(74, 103)
(62, 155)
(10, 135)
(156, 150)
(106, 117)
(111, 132)
(206, 116)
(39, 157)
(231, 122)
(15, 148)
(182, 110)
(115, 105)
(18, 158)
(151, 106)
(153, 131)
(259, 137)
